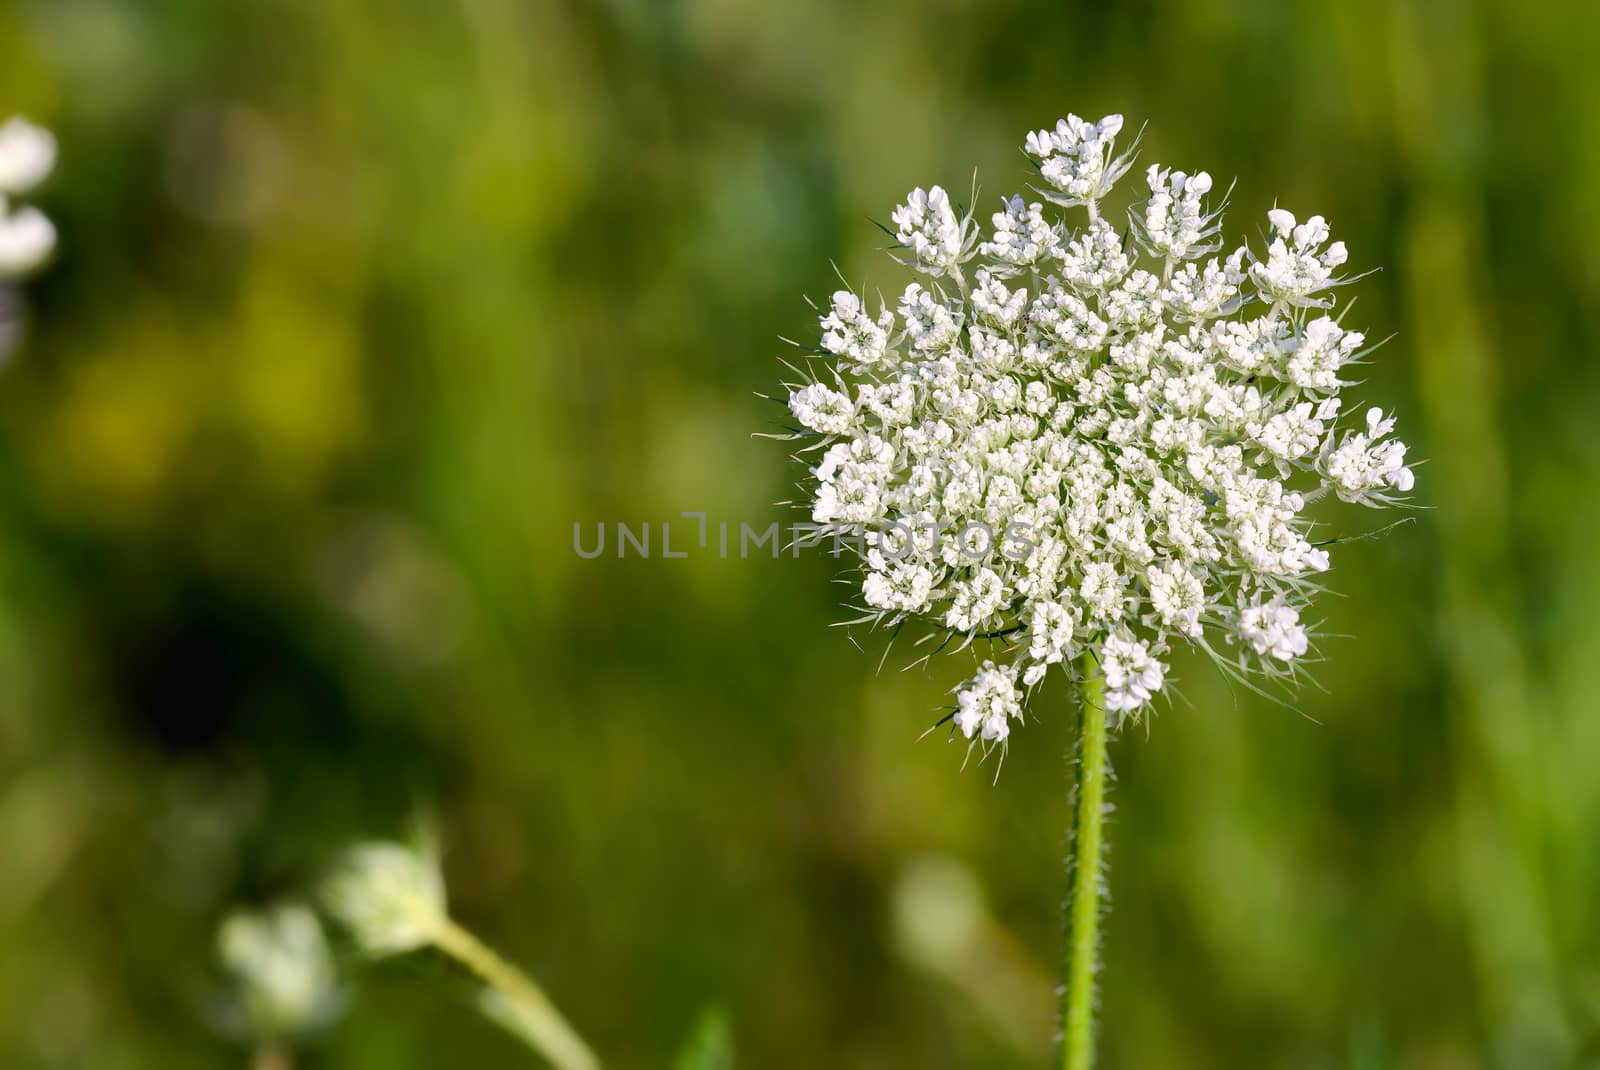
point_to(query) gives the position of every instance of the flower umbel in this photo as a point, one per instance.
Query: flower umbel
(389, 895)
(27, 156)
(282, 972)
(1136, 425)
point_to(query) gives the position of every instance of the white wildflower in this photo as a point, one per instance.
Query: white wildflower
(1297, 267)
(389, 895)
(1132, 675)
(281, 972)
(1022, 237)
(927, 225)
(1103, 592)
(1177, 596)
(1051, 631)
(1174, 221)
(994, 302)
(847, 330)
(1198, 293)
(1094, 260)
(1273, 628)
(897, 587)
(987, 706)
(930, 325)
(1293, 433)
(1322, 350)
(829, 412)
(976, 601)
(27, 238)
(1365, 465)
(1076, 158)
(27, 155)
(1144, 423)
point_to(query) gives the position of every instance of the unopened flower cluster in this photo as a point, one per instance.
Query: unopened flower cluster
(1145, 415)
(27, 237)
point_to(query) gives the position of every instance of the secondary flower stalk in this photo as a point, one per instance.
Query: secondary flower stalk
(391, 897)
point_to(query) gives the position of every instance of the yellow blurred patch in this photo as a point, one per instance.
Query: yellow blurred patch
(295, 380)
(125, 417)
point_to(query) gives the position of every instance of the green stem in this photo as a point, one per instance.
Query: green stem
(1088, 850)
(518, 1003)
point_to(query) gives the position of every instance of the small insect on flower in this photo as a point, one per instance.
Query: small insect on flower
(391, 896)
(1145, 414)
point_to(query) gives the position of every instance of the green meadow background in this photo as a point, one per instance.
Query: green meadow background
(361, 304)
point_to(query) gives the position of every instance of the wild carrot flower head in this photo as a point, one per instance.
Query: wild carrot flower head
(1075, 435)
(27, 156)
(390, 896)
(281, 969)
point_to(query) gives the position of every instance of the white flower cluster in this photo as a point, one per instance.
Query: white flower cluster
(27, 237)
(1066, 442)
(390, 896)
(1076, 159)
(282, 972)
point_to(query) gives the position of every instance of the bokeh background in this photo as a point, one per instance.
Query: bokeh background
(362, 304)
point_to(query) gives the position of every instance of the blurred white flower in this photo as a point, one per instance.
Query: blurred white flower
(1153, 418)
(942, 923)
(390, 896)
(27, 155)
(1274, 629)
(282, 974)
(27, 239)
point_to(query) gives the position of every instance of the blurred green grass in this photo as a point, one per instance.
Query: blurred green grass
(362, 305)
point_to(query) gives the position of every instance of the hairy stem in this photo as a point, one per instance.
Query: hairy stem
(1084, 896)
(517, 1002)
